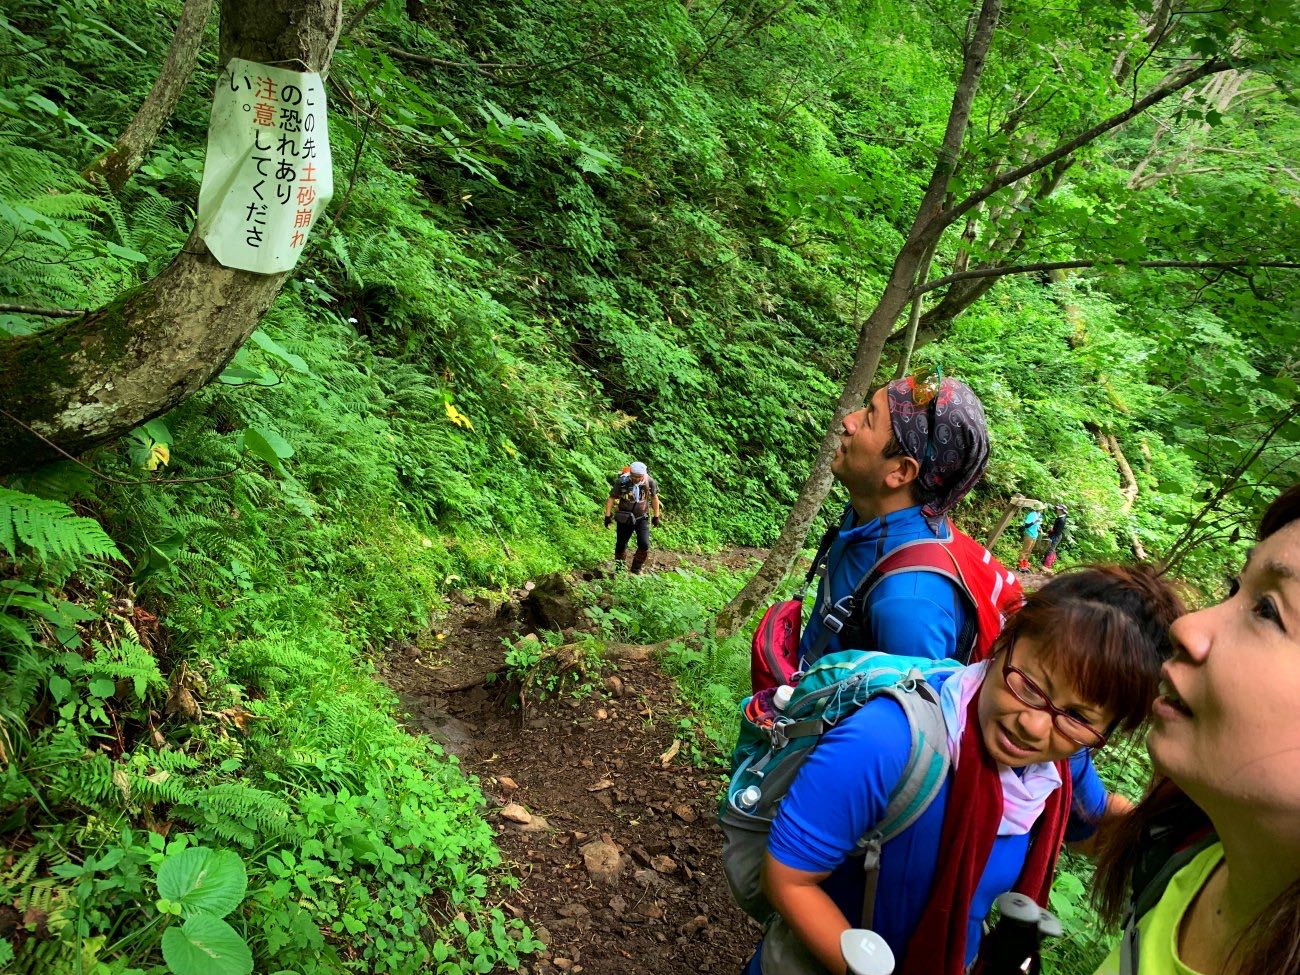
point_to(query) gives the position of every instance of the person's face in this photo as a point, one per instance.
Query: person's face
(859, 462)
(1016, 734)
(1226, 725)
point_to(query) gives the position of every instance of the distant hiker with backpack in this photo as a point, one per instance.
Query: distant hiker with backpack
(1212, 854)
(1032, 525)
(633, 506)
(1054, 536)
(906, 458)
(913, 792)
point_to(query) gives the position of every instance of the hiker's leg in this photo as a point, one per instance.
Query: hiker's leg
(642, 545)
(622, 534)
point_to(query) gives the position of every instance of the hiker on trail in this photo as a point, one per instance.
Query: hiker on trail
(633, 506)
(906, 458)
(1079, 662)
(1212, 854)
(1033, 523)
(1054, 538)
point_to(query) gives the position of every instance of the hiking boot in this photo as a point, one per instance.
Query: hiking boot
(1023, 566)
(639, 560)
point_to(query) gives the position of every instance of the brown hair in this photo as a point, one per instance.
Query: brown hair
(1272, 942)
(1107, 628)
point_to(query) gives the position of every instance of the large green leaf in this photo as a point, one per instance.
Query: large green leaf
(206, 945)
(203, 881)
(268, 446)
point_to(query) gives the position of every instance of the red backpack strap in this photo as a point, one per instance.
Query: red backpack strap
(991, 591)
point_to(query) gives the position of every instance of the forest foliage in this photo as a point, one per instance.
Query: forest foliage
(565, 234)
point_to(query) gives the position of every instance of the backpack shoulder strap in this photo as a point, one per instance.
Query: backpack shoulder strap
(920, 555)
(923, 778)
(823, 549)
(1147, 898)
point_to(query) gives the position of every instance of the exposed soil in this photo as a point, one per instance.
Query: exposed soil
(609, 826)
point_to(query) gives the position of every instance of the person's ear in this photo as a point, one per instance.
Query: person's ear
(904, 472)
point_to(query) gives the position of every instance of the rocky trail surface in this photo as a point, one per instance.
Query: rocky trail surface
(598, 806)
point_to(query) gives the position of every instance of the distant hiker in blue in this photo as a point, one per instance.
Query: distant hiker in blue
(906, 458)
(633, 506)
(1033, 523)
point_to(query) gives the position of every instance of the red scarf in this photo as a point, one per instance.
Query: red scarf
(970, 825)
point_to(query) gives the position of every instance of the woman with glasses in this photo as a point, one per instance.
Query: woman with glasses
(1223, 820)
(1077, 663)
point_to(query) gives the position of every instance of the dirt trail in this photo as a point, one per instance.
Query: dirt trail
(611, 833)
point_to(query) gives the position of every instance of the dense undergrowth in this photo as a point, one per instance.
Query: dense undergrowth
(651, 240)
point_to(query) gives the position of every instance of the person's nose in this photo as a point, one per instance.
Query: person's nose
(1034, 725)
(851, 423)
(1192, 634)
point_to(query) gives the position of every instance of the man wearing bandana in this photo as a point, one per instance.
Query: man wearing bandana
(906, 458)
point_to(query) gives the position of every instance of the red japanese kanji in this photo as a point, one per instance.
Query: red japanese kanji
(263, 114)
(265, 88)
(308, 174)
(302, 218)
(306, 195)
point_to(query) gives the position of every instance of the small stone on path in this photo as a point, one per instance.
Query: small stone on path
(516, 813)
(603, 860)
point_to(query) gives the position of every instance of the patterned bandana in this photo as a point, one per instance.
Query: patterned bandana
(957, 452)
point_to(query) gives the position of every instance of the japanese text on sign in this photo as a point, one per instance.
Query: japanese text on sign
(267, 176)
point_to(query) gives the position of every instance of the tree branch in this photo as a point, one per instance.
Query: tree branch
(46, 312)
(997, 272)
(1161, 92)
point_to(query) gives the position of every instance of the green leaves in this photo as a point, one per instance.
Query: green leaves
(203, 881)
(206, 945)
(203, 886)
(267, 445)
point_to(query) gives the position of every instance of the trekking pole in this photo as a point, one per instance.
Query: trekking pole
(866, 953)
(1013, 946)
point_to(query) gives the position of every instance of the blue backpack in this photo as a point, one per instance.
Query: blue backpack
(767, 759)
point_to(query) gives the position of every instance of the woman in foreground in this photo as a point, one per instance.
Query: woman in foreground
(1225, 739)
(1080, 661)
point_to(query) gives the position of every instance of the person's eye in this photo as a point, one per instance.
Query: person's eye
(1266, 609)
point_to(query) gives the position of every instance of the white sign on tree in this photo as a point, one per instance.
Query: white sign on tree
(268, 175)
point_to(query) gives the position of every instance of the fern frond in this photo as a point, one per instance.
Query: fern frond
(50, 528)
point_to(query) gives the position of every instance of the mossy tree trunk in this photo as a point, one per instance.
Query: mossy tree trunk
(117, 165)
(94, 378)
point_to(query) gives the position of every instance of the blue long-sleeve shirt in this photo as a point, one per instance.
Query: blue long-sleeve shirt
(916, 614)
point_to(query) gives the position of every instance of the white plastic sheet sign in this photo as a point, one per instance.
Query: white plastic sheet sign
(267, 176)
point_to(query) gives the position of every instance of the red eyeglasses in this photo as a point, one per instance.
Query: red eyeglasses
(1031, 696)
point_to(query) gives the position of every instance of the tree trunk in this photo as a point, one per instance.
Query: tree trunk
(923, 236)
(93, 379)
(914, 316)
(118, 164)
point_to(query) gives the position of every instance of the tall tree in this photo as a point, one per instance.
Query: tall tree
(91, 379)
(938, 211)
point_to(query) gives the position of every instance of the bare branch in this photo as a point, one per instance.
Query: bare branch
(997, 272)
(1161, 92)
(44, 312)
